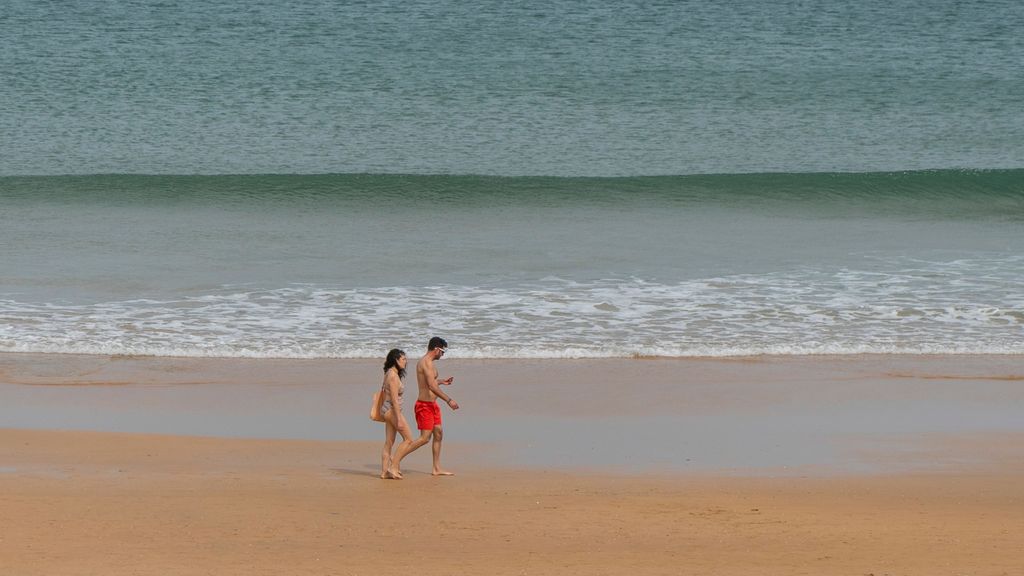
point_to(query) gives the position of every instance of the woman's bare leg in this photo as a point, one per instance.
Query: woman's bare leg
(394, 469)
(389, 443)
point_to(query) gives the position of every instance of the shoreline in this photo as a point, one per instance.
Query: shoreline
(761, 356)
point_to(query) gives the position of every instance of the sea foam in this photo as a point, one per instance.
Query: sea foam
(940, 309)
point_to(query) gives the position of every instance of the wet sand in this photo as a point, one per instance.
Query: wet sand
(745, 416)
(866, 465)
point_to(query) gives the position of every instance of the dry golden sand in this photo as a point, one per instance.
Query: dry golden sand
(113, 504)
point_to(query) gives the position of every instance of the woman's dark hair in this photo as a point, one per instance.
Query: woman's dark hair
(392, 361)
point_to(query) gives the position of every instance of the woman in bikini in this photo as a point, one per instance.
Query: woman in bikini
(394, 420)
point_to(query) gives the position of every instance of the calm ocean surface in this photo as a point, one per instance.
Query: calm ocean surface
(527, 179)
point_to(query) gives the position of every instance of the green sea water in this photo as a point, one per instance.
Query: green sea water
(530, 179)
(556, 88)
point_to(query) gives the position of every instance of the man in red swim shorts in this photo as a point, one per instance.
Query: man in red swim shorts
(428, 413)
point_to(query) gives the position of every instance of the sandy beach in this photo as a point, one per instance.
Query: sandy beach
(726, 288)
(160, 466)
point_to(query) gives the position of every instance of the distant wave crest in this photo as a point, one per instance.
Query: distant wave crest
(923, 194)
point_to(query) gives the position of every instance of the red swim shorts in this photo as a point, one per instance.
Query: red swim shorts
(428, 415)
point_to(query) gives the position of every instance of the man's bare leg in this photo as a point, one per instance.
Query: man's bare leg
(404, 450)
(436, 448)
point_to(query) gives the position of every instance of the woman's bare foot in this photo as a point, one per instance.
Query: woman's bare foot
(440, 472)
(394, 474)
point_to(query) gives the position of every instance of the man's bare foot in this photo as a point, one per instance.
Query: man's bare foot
(442, 473)
(394, 474)
(384, 476)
